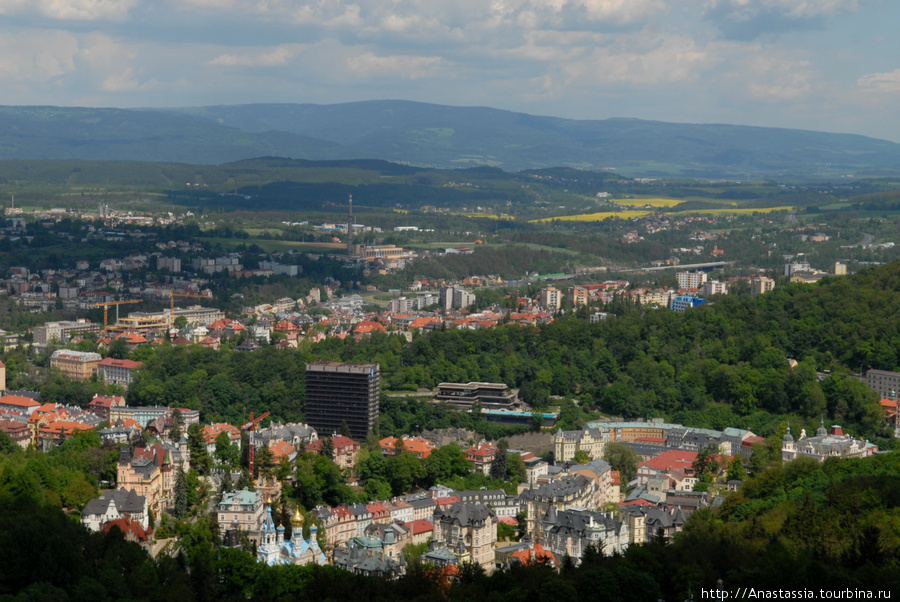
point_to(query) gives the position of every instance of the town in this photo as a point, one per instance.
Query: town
(339, 407)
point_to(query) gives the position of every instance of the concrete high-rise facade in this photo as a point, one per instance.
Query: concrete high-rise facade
(338, 392)
(760, 285)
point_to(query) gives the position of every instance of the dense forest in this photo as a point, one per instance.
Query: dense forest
(792, 527)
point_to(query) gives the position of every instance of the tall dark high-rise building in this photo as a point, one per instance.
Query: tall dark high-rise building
(338, 392)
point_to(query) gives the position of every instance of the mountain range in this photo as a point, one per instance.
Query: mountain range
(437, 136)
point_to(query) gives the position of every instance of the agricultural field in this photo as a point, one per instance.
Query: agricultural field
(594, 217)
(649, 202)
(735, 211)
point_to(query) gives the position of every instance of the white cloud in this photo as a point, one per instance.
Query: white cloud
(881, 83)
(280, 55)
(744, 10)
(329, 13)
(36, 56)
(642, 58)
(71, 10)
(774, 77)
(407, 67)
(111, 61)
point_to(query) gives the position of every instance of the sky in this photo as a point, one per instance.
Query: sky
(825, 65)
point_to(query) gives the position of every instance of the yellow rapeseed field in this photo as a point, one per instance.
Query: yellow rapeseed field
(594, 217)
(740, 211)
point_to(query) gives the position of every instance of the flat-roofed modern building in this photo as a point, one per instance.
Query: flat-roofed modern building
(338, 392)
(489, 395)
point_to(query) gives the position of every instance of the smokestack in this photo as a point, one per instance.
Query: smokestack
(350, 227)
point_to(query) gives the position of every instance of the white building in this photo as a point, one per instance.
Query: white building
(113, 505)
(551, 298)
(691, 279)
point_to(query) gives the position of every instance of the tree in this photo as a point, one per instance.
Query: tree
(226, 452)
(500, 465)
(736, 470)
(378, 489)
(265, 462)
(328, 448)
(179, 510)
(197, 444)
(118, 349)
(622, 458)
(581, 457)
(517, 471)
(177, 425)
(706, 466)
(344, 429)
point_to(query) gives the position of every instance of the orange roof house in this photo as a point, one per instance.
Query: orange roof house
(420, 446)
(282, 449)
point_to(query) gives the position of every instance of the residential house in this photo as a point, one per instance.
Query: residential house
(115, 505)
(588, 440)
(473, 526)
(244, 509)
(481, 457)
(570, 532)
(345, 450)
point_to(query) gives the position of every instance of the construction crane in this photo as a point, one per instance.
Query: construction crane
(106, 305)
(254, 422)
(172, 295)
(251, 447)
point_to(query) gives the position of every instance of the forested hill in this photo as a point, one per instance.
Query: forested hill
(436, 136)
(725, 364)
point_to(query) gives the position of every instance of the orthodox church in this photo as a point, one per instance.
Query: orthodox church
(275, 549)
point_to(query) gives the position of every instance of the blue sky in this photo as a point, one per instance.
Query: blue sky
(827, 65)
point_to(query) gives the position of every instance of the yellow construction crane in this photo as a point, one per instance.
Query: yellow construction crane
(106, 305)
(172, 296)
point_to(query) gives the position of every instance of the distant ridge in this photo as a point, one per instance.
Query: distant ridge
(437, 136)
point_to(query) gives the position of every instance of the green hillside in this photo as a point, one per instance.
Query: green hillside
(436, 136)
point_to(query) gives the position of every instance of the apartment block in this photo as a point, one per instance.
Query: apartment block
(339, 392)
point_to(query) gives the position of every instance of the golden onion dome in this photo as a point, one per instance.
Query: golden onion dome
(297, 519)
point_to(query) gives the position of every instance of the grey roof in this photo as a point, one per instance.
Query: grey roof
(560, 488)
(440, 554)
(580, 522)
(425, 502)
(598, 466)
(664, 518)
(465, 514)
(359, 510)
(358, 560)
(125, 500)
(578, 435)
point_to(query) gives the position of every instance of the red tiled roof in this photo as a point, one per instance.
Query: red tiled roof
(128, 364)
(420, 526)
(126, 525)
(19, 401)
(672, 458)
(540, 554)
(281, 449)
